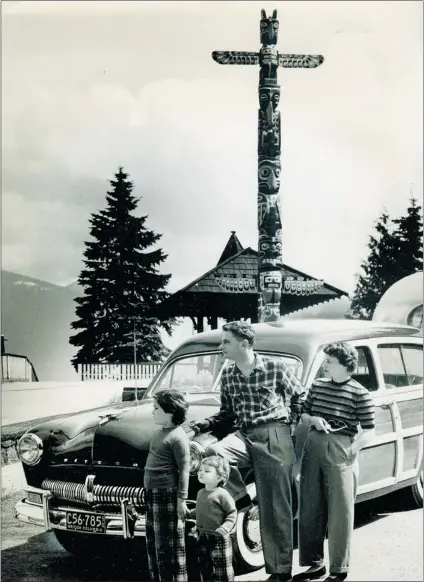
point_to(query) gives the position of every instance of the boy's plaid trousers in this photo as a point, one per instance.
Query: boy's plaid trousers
(215, 557)
(165, 537)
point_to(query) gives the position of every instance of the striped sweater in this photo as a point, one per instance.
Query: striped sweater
(347, 401)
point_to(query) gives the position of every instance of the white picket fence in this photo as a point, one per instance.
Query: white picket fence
(140, 371)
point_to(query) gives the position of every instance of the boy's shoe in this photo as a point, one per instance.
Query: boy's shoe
(311, 574)
(339, 577)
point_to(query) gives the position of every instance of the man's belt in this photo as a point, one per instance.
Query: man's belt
(273, 422)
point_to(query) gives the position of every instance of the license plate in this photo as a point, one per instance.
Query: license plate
(88, 522)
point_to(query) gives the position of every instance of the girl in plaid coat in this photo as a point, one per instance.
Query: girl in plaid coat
(216, 515)
(166, 475)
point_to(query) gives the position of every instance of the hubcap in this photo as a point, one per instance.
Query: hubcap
(252, 534)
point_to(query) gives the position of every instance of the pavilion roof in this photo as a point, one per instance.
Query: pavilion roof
(233, 247)
(235, 278)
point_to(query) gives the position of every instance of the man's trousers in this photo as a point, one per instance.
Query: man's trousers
(268, 450)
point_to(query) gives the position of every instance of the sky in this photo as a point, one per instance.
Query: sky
(90, 86)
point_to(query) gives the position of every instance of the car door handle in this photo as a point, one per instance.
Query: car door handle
(387, 403)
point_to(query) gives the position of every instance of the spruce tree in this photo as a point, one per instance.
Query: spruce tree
(122, 285)
(395, 252)
(409, 232)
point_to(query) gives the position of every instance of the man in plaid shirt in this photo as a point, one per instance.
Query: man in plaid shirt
(259, 397)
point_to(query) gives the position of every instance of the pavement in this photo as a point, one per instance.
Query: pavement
(387, 546)
(12, 479)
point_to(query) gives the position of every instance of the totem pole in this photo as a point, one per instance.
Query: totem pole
(270, 246)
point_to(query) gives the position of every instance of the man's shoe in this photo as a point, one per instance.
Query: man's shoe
(339, 577)
(311, 574)
(283, 577)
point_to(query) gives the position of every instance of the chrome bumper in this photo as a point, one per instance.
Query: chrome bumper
(117, 524)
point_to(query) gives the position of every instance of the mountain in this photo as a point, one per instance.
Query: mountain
(35, 319)
(75, 288)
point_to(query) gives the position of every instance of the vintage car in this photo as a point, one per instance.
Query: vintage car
(85, 472)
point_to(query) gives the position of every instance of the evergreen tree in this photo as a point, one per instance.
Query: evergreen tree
(122, 286)
(395, 252)
(409, 232)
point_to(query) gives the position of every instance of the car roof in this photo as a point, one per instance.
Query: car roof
(301, 337)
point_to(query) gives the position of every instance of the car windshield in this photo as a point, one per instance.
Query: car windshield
(201, 372)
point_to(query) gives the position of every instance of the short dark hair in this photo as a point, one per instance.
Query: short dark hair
(173, 402)
(346, 354)
(241, 330)
(221, 464)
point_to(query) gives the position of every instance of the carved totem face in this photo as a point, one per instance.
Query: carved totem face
(270, 281)
(270, 290)
(269, 95)
(269, 28)
(268, 55)
(269, 176)
(270, 249)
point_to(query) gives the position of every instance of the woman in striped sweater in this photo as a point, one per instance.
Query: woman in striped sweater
(334, 408)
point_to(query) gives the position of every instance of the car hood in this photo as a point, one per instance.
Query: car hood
(114, 436)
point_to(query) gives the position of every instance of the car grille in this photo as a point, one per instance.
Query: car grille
(110, 495)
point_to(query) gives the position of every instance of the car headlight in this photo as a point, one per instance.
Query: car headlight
(196, 456)
(30, 449)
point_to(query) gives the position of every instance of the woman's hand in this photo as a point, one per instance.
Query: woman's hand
(182, 509)
(320, 424)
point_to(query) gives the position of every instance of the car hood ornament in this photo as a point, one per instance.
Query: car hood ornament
(104, 418)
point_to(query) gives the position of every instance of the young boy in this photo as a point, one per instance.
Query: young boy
(166, 476)
(216, 516)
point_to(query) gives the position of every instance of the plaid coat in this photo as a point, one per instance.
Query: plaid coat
(165, 537)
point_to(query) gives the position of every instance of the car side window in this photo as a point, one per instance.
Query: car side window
(413, 360)
(365, 371)
(401, 364)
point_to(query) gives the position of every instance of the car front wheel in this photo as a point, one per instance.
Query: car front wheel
(248, 553)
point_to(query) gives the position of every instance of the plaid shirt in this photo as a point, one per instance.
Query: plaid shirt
(271, 392)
